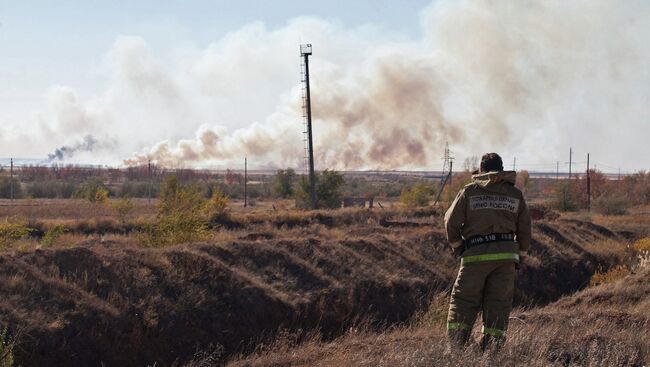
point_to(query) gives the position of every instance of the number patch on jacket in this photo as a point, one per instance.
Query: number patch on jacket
(494, 202)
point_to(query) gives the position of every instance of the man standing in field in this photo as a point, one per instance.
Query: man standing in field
(488, 226)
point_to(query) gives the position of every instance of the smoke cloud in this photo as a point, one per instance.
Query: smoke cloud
(523, 78)
(87, 144)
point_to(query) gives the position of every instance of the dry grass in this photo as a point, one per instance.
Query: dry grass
(602, 326)
(324, 271)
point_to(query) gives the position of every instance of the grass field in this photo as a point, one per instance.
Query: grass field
(299, 288)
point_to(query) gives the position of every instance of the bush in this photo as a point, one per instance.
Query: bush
(52, 235)
(614, 204)
(217, 207)
(181, 215)
(6, 187)
(417, 196)
(138, 189)
(283, 183)
(10, 232)
(610, 276)
(93, 191)
(329, 191)
(122, 207)
(51, 189)
(567, 196)
(450, 191)
(642, 245)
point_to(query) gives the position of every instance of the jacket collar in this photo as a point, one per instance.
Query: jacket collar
(484, 179)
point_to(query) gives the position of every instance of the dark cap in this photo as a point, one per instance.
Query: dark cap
(491, 162)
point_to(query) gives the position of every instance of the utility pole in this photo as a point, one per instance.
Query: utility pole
(445, 163)
(245, 182)
(619, 173)
(570, 161)
(446, 178)
(149, 179)
(514, 164)
(588, 185)
(557, 170)
(451, 169)
(305, 52)
(11, 180)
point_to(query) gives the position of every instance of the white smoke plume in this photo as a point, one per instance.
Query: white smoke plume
(525, 78)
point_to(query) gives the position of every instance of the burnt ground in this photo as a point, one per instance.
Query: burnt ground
(121, 306)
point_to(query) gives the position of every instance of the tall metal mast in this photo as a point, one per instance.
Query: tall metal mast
(305, 52)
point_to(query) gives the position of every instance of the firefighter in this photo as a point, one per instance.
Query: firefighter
(488, 226)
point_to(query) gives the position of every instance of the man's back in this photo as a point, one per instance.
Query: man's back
(491, 204)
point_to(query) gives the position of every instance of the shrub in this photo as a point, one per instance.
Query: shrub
(181, 215)
(450, 191)
(329, 191)
(138, 189)
(610, 276)
(283, 183)
(642, 248)
(10, 232)
(217, 207)
(52, 235)
(6, 184)
(642, 245)
(101, 195)
(567, 196)
(93, 191)
(613, 204)
(417, 196)
(122, 207)
(51, 189)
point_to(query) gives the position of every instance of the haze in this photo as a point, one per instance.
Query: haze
(205, 83)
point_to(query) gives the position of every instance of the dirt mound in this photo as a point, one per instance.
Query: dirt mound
(133, 306)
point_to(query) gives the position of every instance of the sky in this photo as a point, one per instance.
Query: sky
(204, 83)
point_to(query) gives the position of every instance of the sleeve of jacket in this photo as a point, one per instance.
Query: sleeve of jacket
(455, 218)
(524, 228)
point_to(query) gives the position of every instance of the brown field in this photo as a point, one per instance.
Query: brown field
(351, 286)
(605, 325)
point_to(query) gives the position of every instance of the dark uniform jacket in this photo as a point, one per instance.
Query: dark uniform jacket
(491, 205)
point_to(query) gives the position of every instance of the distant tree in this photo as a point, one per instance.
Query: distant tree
(567, 195)
(471, 163)
(329, 191)
(467, 164)
(283, 183)
(94, 191)
(5, 187)
(231, 178)
(599, 183)
(475, 163)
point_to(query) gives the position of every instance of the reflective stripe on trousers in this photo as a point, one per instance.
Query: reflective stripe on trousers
(457, 326)
(492, 331)
(490, 257)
